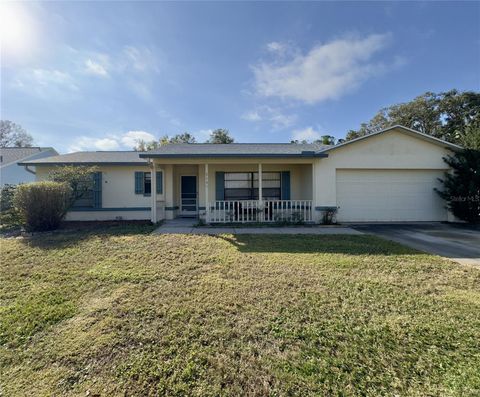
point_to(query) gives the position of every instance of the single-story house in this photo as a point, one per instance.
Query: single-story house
(386, 176)
(10, 173)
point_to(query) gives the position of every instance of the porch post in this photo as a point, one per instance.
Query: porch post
(153, 194)
(314, 194)
(207, 205)
(260, 183)
(169, 193)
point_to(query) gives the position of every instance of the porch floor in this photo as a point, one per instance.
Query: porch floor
(187, 226)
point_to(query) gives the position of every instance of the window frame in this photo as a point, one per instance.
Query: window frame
(253, 188)
(144, 183)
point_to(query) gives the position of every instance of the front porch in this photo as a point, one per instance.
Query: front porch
(232, 193)
(258, 211)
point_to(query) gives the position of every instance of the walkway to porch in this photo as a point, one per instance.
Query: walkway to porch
(187, 226)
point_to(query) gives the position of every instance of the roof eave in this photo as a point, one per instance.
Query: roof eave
(85, 163)
(227, 155)
(448, 145)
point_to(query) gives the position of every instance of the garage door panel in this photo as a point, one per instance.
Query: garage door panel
(389, 195)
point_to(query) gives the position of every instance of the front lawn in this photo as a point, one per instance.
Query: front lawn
(123, 312)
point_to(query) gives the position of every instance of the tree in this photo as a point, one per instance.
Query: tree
(470, 138)
(327, 140)
(445, 115)
(352, 134)
(462, 186)
(183, 138)
(298, 142)
(79, 178)
(220, 135)
(324, 140)
(459, 109)
(143, 146)
(12, 134)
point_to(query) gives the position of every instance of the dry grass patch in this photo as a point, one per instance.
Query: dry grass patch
(122, 312)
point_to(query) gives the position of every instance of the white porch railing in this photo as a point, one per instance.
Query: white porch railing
(243, 211)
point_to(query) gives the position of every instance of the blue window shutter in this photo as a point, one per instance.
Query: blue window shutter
(220, 185)
(97, 190)
(286, 185)
(138, 182)
(159, 182)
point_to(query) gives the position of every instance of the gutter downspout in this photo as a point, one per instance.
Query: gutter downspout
(29, 170)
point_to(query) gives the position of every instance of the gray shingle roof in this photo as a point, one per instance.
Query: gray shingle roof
(237, 150)
(92, 158)
(11, 155)
(185, 150)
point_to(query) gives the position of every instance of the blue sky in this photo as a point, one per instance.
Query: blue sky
(98, 75)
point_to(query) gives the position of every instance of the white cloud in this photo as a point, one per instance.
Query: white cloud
(46, 77)
(276, 46)
(253, 115)
(106, 144)
(46, 84)
(95, 68)
(307, 134)
(327, 71)
(282, 49)
(140, 59)
(125, 141)
(275, 116)
(130, 138)
(202, 135)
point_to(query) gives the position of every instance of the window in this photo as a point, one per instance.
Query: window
(244, 185)
(88, 192)
(147, 183)
(83, 192)
(143, 182)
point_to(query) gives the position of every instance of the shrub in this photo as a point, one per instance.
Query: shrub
(462, 186)
(328, 216)
(9, 217)
(42, 205)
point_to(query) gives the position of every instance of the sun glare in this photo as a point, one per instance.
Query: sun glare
(17, 31)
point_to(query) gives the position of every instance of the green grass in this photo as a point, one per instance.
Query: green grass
(122, 312)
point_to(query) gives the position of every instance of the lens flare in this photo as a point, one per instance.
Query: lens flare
(17, 31)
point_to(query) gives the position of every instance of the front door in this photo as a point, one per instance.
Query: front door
(188, 205)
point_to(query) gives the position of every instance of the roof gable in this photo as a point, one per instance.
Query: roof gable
(404, 130)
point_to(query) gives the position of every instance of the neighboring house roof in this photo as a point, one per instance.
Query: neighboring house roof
(91, 158)
(406, 130)
(11, 155)
(237, 150)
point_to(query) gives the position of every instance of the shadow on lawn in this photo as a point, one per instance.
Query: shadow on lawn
(71, 234)
(326, 244)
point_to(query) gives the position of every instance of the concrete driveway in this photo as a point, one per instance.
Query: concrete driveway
(455, 241)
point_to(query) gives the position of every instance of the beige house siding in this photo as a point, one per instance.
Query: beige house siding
(108, 215)
(311, 178)
(391, 150)
(118, 192)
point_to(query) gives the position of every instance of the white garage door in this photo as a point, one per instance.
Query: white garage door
(389, 195)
